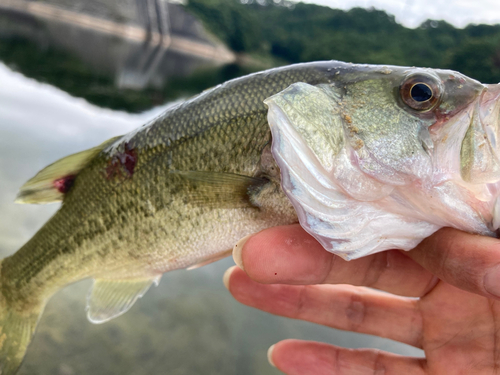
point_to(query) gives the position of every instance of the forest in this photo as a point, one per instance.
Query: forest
(297, 32)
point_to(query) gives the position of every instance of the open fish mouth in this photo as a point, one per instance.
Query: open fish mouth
(480, 151)
(489, 114)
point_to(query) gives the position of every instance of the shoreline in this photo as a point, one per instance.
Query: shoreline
(130, 32)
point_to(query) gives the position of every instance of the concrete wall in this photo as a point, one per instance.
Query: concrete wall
(125, 11)
(143, 13)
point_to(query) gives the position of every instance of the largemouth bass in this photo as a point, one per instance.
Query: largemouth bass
(357, 143)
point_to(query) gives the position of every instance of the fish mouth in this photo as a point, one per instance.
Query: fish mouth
(489, 114)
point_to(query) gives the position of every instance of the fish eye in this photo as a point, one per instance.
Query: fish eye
(420, 92)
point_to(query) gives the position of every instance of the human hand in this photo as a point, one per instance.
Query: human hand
(456, 320)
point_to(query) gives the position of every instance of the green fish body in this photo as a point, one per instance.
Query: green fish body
(180, 191)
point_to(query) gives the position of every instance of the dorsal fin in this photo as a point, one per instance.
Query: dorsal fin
(51, 183)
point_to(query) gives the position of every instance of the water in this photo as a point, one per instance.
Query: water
(189, 324)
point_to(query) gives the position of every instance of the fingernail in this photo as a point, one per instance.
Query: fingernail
(227, 276)
(270, 355)
(492, 281)
(237, 251)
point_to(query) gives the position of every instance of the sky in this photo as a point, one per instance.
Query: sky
(412, 13)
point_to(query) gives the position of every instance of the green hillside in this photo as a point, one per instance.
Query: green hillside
(307, 32)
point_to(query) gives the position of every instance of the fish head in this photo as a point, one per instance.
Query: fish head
(373, 138)
(400, 125)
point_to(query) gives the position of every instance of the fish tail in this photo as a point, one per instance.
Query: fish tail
(16, 330)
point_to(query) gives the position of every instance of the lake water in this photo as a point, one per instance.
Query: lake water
(63, 90)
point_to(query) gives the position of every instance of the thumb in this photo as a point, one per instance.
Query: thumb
(468, 261)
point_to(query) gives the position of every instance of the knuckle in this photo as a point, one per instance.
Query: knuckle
(355, 312)
(378, 265)
(378, 364)
(302, 302)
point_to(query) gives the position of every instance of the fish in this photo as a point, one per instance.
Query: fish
(365, 157)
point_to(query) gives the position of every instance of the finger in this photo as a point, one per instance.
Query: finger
(289, 255)
(343, 307)
(295, 357)
(467, 261)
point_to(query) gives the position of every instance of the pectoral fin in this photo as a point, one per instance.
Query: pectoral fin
(219, 189)
(51, 183)
(110, 298)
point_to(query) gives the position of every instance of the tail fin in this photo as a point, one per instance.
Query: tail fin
(16, 331)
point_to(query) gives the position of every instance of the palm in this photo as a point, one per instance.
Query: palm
(457, 329)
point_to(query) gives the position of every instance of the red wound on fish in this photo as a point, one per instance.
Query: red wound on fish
(123, 163)
(63, 185)
(129, 159)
